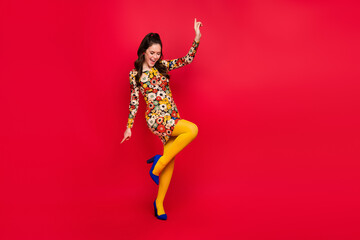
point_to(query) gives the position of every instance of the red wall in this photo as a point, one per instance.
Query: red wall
(274, 90)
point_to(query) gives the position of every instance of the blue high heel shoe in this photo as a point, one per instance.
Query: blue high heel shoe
(154, 161)
(162, 216)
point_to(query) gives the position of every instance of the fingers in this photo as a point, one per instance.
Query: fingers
(197, 24)
(125, 138)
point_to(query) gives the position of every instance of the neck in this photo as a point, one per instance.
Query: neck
(146, 67)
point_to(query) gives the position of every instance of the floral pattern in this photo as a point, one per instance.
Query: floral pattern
(161, 111)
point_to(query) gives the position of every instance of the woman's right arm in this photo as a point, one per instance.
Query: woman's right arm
(133, 106)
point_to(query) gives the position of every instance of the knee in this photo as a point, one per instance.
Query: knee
(194, 130)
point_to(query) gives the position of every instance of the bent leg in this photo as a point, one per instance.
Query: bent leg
(184, 132)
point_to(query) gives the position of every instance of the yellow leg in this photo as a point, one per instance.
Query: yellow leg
(165, 179)
(184, 132)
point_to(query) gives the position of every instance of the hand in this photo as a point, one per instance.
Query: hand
(127, 135)
(197, 26)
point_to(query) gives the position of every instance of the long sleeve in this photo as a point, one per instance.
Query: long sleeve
(134, 100)
(179, 62)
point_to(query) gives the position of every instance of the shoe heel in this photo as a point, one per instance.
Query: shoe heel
(155, 210)
(154, 160)
(150, 160)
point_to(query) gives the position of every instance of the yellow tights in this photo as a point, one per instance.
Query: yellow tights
(183, 133)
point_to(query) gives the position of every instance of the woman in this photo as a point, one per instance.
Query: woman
(151, 77)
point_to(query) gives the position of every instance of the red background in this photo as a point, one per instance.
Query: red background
(274, 90)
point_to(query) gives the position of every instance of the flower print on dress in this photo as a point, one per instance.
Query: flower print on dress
(153, 81)
(159, 120)
(161, 112)
(151, 121)
(163, 107)
(170, 123)
(167, 117)
(161, 94)
(161, 128)
(151, 96)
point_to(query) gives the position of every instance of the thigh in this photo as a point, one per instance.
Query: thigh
(184, 126)
(168, 144)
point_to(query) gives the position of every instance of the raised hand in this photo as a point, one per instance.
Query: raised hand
(197, 26)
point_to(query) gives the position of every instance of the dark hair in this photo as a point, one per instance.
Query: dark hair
(148, 41)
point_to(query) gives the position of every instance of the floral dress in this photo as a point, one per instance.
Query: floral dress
(161, 111)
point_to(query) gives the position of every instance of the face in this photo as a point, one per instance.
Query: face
(152, 55)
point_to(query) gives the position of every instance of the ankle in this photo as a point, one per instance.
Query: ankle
(159, 202)
(160, 207)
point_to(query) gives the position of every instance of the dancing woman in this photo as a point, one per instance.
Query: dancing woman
(150, 76)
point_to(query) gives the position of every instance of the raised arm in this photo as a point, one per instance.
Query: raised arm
(179, 62)
(134, 100)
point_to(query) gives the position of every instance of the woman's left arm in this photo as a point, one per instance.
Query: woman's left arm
(179, 62)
